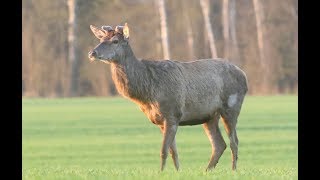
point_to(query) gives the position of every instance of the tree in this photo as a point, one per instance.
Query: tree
(164, 29)
(261, 43)
(72, 43)
(235, 55)
(206, 16)
(225, 20)
(189, 30)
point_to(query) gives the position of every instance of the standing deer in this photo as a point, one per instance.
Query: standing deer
(173, 93)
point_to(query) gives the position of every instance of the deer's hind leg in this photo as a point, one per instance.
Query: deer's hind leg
(229, 118)
(218, 144)
(230, 127)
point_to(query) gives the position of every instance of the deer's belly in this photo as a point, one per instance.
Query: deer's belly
(195, 118)
(199, 113)
(192, 114)
(193, 122)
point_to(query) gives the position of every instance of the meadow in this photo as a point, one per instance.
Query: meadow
(110, 138)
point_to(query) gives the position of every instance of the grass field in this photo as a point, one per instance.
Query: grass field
(110, 138)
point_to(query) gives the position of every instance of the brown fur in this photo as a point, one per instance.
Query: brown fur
(173, 93)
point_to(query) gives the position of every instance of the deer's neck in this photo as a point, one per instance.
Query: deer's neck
(130, 77)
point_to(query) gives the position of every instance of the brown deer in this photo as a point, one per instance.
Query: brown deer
(173, 93)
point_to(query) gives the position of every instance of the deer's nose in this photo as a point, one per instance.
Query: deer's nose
(92, 53)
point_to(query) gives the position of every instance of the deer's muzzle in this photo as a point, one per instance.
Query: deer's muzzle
(92, 55)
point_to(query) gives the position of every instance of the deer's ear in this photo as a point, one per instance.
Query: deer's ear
(99, 33)
(125, 31)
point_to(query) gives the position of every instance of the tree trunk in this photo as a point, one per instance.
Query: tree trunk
(72, 49)
(206, 16)
(190, 38)
(294, 9)
(235, 55)
(260, 33)
(188, 28)
(225, 20)
(164, 29)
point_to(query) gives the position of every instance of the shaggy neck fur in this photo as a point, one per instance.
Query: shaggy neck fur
(130, 77)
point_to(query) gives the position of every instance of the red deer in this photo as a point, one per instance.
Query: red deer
(173, 93)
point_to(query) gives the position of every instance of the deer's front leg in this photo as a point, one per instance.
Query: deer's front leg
(173, 150)
(169, 133)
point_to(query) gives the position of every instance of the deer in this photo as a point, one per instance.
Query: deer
(174, 93)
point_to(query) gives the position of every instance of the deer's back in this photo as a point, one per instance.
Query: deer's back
(217, 76)
(196, 79)
(197, 87)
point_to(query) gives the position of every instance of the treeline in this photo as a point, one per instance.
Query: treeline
(261, 37)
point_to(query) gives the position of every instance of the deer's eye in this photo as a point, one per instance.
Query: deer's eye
(115, 41)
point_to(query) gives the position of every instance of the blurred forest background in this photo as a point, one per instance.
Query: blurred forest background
(260, 36)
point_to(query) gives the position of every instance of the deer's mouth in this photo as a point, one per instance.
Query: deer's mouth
(92, 58)
(104, 59)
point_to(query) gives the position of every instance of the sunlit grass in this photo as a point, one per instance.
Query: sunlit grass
(110, 138)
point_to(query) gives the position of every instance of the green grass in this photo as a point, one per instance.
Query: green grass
(110, 138)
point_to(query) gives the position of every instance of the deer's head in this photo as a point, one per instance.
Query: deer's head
(113, 43)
